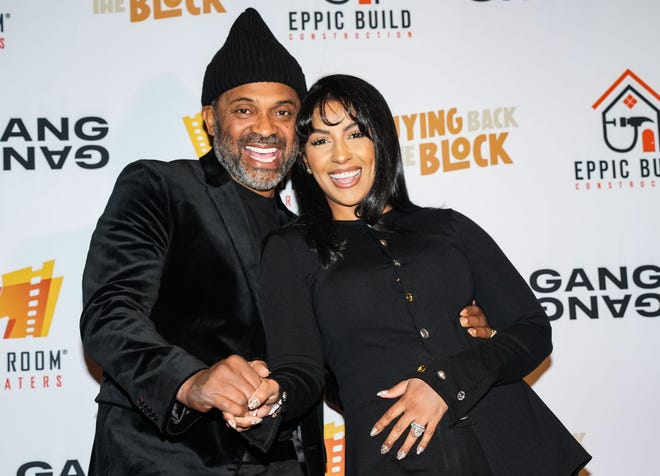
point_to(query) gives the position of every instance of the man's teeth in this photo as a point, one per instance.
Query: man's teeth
(261, 150)
(345, 175)
(262, 154)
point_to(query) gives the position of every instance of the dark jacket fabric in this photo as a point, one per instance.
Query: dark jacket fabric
(387, 311)
(171, 286)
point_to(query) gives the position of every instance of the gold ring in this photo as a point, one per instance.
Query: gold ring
(492, 333)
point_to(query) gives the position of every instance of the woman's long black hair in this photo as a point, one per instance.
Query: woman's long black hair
(367, 107)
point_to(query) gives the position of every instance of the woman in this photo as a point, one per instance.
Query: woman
(368, 285)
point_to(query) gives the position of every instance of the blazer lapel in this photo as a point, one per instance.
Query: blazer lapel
(232, 213)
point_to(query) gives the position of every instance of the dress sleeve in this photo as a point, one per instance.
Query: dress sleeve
(121, 283)
(523, 338)
(294, 347)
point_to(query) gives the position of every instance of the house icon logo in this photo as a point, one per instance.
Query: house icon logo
(27, 301)
(630, 115)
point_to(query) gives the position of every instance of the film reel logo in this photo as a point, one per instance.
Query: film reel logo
(333, 435)
(27, 301)
(197, 133)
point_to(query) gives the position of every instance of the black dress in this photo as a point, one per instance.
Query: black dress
(388, 311)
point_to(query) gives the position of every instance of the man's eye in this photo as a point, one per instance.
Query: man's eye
(284, 113)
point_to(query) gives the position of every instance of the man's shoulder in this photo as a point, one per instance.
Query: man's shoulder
(171, 172)
(165, 166)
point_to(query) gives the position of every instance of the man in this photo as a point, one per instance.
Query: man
(171, 287)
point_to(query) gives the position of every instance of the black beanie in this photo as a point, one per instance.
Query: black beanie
(251, 54)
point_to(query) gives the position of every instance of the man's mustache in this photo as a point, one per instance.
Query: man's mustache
(254, 138)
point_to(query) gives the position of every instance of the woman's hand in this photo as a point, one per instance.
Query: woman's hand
(261, 403)
(420, 404)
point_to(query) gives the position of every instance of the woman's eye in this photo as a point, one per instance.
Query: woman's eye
(318, 141)
(355, 135)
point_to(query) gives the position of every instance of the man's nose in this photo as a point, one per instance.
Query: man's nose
(264, 125)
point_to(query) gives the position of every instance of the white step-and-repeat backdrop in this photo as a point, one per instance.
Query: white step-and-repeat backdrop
(540, 119)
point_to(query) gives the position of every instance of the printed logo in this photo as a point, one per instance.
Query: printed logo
(446, 140)
(598, 293)
(350, 20)
(630, 121)
(23, 145)
(141, 10)
(27, 301)
(197, 133)
(333, 436)
(3, 18)
(71, 468)
(27, 304)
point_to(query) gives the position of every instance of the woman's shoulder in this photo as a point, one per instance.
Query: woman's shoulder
(288, 239)
(446, 221)
(293, 233)
(287, 246)
(430, 215)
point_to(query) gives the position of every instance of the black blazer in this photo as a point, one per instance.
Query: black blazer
(171, 286)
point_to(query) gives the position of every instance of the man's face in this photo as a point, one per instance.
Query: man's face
(254, 134)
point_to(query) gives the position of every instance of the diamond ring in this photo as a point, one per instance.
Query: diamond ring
(416, 429)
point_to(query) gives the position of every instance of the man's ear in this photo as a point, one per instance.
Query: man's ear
(208, 114)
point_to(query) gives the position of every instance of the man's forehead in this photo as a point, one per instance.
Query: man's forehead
(266, 92)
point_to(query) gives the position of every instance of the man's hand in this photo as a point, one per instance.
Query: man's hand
(226, 386)
(473, 318)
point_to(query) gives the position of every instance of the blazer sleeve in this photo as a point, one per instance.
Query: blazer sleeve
(121, 280)
(294, 347)
(523, 338)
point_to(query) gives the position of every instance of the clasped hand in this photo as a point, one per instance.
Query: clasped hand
(236, 387)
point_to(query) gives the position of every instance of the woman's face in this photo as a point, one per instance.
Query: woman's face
(342, 160)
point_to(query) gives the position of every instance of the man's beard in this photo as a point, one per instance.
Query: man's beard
(230, 156)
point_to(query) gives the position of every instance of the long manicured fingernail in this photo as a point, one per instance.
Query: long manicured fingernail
(256, 421)
(374, 431)
(420, 450)
(252, 404)
(232, 423)
(273, 409)
(401, 454)
(382, 393)
(384, 449)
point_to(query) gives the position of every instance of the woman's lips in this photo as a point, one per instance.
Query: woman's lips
(346, 178)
